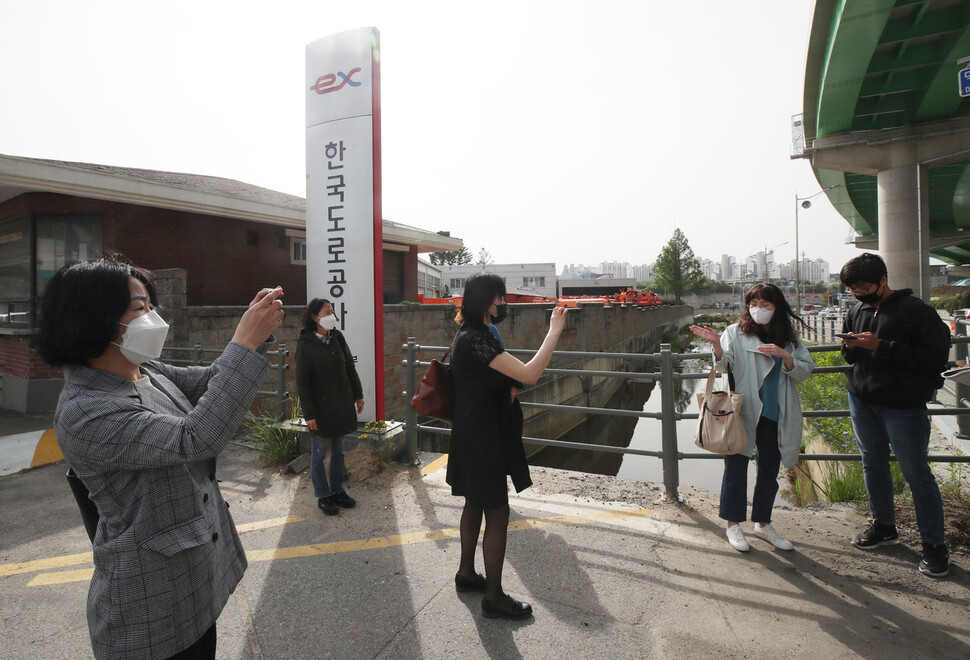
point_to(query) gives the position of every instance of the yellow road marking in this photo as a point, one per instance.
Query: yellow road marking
(361, 544)
(62, 577)
(45, 564)
(266, 524)
(434, 465)
(47, 451)
(87, 557)
(433, 535)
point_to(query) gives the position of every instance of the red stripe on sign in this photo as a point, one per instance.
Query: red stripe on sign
(378, 231)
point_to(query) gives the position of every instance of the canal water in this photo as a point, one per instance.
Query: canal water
(641, 433)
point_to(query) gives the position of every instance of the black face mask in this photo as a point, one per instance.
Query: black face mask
(870, 298)
(501, 311)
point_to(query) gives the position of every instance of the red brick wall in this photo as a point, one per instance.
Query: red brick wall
(17, 359)
(222, 268)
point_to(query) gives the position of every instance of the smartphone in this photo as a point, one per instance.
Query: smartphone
(844, 335)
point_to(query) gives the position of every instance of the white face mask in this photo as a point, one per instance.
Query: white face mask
(760, 315)
(328, 322)
(144, 338)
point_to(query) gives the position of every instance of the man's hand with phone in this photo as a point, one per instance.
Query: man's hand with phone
(865, 340)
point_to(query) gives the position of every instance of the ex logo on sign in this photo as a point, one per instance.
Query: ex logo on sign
(326, 84)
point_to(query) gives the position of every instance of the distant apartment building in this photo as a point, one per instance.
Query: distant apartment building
(817, 270)
(578, 272)
(615, 268)
(728, 267)
(642, 273)
(540, 278)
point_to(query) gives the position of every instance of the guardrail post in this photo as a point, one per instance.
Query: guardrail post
(961, 391)
(198, 354)
(281, 368)
(668, 425)
(410, 417)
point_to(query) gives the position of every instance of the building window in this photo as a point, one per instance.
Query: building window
(429, 284)
(63, 240)
(32, 249)
(298, 251)
(533, 282)
(456, 283)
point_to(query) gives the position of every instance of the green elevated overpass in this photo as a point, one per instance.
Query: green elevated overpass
(887, 131)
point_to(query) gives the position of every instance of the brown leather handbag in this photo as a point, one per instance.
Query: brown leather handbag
(435, 396)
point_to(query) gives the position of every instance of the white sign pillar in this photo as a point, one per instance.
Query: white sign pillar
(343, 196)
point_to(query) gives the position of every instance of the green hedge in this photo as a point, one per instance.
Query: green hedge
(952, 302)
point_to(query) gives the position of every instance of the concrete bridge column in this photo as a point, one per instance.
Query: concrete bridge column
(903, 238)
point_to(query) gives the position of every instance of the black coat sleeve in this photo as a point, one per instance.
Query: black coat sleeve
(351, 369)
(848, 354)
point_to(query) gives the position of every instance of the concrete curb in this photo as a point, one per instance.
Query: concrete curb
(22, 451)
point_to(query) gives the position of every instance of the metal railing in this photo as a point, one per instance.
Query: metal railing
(821, 329)
(197, 357)
(666, 376)
(959, 391)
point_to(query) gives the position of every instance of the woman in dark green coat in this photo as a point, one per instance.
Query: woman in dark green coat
(331, 397)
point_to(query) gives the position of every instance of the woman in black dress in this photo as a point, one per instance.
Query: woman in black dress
(486, 436)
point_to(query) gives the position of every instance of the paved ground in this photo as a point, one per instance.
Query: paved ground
(610, 569)
(26, 440)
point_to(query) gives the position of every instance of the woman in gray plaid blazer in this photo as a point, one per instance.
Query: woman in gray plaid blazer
(143, 437)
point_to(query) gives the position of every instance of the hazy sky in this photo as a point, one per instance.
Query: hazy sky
(573, 132)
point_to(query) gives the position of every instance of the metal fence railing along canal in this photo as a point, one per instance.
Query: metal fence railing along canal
(666, 374)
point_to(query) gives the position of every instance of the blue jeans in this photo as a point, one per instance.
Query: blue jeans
(321, 487)
(907, 432)
(734, 484)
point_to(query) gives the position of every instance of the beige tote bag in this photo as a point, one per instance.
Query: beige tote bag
(719, 426)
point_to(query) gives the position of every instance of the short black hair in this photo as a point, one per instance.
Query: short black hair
(479, 294)
(82, 307)
(867, 267)
(312, 308)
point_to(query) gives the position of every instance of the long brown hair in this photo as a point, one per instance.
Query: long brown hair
(780, 329)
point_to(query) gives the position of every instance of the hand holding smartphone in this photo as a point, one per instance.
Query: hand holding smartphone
(844, 336)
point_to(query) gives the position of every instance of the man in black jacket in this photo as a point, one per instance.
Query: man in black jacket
(898, 348)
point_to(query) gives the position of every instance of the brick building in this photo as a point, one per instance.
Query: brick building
(232, 238)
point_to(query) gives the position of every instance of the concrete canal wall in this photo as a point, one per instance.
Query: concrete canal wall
(589, 328)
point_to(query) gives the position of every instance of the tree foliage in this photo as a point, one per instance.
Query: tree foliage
(677, 269)
(484, 257)
(457, 257)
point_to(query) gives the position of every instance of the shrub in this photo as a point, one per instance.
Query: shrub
(843, 481)
(279, 446)
(952, 301)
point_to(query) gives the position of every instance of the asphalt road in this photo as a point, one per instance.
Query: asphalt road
(611, 570)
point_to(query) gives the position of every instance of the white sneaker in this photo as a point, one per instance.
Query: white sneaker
(736, 538)
(768, 533)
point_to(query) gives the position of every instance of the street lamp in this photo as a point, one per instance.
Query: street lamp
(806, 203)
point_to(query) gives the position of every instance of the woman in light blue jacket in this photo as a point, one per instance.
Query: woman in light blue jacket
(767, 359)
